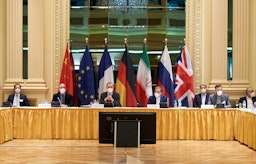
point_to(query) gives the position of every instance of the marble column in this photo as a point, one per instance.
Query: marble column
(219, 42)
(240, 42)
(14, 41)
(3, 45)
(252, 43)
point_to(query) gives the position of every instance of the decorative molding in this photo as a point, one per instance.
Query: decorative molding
(62, 34)
(193, 37)
(57, 42)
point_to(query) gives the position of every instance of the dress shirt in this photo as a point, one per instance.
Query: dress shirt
(203, 98)
(218, 100)
(158, 100)
(249, 102)
(16, 100)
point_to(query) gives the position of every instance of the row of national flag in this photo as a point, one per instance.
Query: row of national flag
(132, 89)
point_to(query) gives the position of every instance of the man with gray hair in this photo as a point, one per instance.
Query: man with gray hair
(250, 99)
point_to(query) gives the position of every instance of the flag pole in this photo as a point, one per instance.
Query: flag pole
(125, 42)
(106, 41)
(165, 41)
(86, 41)
(145, 41)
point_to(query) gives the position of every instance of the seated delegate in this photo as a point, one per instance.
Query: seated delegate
(157, 97)
(219, 98)
(249, 99)
(65, 99)
(110, 96)
(201, 98)
(17, 99)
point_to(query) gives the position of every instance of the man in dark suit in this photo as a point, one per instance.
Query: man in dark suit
(219, 97)
(65, 99)
(249, 99)
(157, 97)
(17, 99)
(201, 98)
(110, 96)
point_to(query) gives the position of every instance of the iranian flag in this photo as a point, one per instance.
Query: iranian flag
(144, 80)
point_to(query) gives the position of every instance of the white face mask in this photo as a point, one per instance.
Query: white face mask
(157, 95)
(203, 90)
(17, 90)
(62, 90)
(219, 93)
(110, 90)
(252, 94)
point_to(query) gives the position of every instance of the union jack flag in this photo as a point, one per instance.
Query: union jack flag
(184, 82)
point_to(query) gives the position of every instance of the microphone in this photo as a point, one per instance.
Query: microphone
(59, 100)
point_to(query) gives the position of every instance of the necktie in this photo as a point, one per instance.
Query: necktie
(63, 99)
(17, 101)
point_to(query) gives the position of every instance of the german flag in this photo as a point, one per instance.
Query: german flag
(125, 83)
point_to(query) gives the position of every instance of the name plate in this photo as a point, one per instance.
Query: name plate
(153, 106)
(96, 105)
(44, 105)
(207, 106)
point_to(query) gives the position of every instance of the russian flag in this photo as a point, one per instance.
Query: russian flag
(165, 76)
(105, 73)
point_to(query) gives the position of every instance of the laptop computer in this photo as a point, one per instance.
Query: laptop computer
(55, 104)
(7, 104)
(220, 106)
(163, 105)
(108, 104)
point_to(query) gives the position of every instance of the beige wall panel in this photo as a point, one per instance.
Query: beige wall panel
(240, 41)
(56, 35)
(48, 31)
(219, 41)
(3, 45)
(13, 45)
(252, 44)
(206, 43)
(49, 54)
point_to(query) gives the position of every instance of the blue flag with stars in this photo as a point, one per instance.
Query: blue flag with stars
(85, 79)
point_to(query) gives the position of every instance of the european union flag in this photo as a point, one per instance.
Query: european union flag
(85, 79)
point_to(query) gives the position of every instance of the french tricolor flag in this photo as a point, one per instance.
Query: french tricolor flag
(105, 73)
(165, 76)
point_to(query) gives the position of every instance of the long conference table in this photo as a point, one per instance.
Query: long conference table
(171, 123)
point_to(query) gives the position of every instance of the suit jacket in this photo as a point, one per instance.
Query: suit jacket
(115, 96)
(198, 100)
(23, 99)
(244, 98)
(224, 97)
(68, 98)
(152, 99)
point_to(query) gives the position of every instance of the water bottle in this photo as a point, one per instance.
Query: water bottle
(244, 104)
(237, 104)
(175, 103)
(179, 104)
